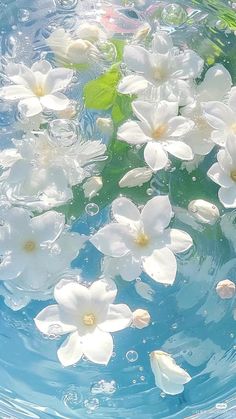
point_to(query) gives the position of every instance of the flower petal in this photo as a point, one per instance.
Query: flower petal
(136, 58)
(57, 79)
(132, 84)
(155, 157)
(111, 240)
(217, 82)
(131, 133)
(162, 42)
(15, 92)
(103, 292)
(232, 99)
(56, 101)
(98, 346)
(161, 266)
(218, 115)
(70, 352)
(156, 214)
(48, 226)
(20, 74)
(42, 66)
(72, 297)
(11, 266)
(179, 149)
(177, 240)
(30, 106)
(52, 316)
(218, 176)
(135, 177)
(125, 211)
(188, 65)
(227, 197)
(119, 316)
(179, 126)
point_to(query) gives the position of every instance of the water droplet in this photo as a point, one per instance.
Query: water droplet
(131, 356)
(92, 209)
(62, 132)
(174, 325)
(67, 4)
(103, 387)
(221, 25)
(23, 15)
(91, 404)
(142, 378)
(163, 395)
(174, 14)
(54, 331)
(231, 335)
(221, 406)
(149, 191)
(71, 397)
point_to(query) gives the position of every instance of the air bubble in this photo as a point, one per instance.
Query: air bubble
(91, 404)
(92, 209)
(221, 406)
(71, 397)
(62, 132)
(221, 25)
(131, 356)
(104, 387)
(67, 4)
(149, 191)
(54, 331)
(23, 15)
(174, 15)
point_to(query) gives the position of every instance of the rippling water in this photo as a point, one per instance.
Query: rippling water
(188, 319)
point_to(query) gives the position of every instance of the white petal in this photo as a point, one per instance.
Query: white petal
(125, 211)
(161, 266)
(179, 149)
(144, 290)
(111, 240)
(15, 92)
(218, 176)
(179, 126)
(48, 226)
(232, 99)
(156, 214)
(98, 346)
(162, 42)
(135, 177)
(20, 74)
(56, 101)
(57, 79)
(143, 110)
(177, 240)
(42, 66)
(189, 65)
(218, 115)
(230, 147)
(136, 58)
(155, 157)
(129, 267)
(119, 316)
(217, 82)
(72, 297)
(52, 316)
(103, 292)
(227, 197)
(70, 352)
(11, 266)
(132, 84)
(30, 106)
(131, 133)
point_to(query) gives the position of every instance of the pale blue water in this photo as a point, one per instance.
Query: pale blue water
(188, 319)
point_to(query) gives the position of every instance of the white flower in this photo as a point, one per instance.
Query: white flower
(144, 238)
(216, 84)
(159, 127)
(135, 177)
(37, 88)
(36, 250)
(224, 173)
(169, 377)
(205, 212)
(222, 118)
(226, 289)
(88, 315)
(91, 32)
(141, 318)
(92, 186)
(105, 125)
(164, 68)
(75, 50)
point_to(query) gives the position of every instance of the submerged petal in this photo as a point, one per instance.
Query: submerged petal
(125, 211)
(177, 240)
(132, 84)
(112, 240)
(161, 266)
(156, 214)
(119, 316)
(70, 352)
(98, 346)
(53, 316)
(155, 156)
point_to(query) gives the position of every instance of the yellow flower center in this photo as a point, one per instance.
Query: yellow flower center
(233, 128)
(201, 122)
(233, 175)
(159, 131)
(159, 73)
(29, 246)
(89, 319)
(142, 239)
(39, 91)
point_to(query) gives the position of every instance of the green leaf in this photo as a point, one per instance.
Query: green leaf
(121, 109)
(119, 44)
(101, 93)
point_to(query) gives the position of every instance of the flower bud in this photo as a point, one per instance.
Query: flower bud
(142, 32)
(136, 177)
(141, 318)
(92, 186)
(105, 125)
(205, 212)
(90, 32)
(225, 289)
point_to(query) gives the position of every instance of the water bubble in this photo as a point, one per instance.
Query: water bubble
(174, 326)
(67, 4)
(142, 378)
(131, 356)
(149, 191)
(221, 25)
(103, 387)
(23, 15)
(92, 209)
(174, 14)
(221, 406)
(163, 395)
(62, 132)
(71, 397)
(91, 404)
(54, 331)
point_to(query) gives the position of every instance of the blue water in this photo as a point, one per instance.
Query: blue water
(188, 319)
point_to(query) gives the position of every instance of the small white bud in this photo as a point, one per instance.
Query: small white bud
(142, 32)
(90, 32)
(92, 186)
(141, 318)
(105, 125)
(205, 212)
(136, 177)
(225, 289)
